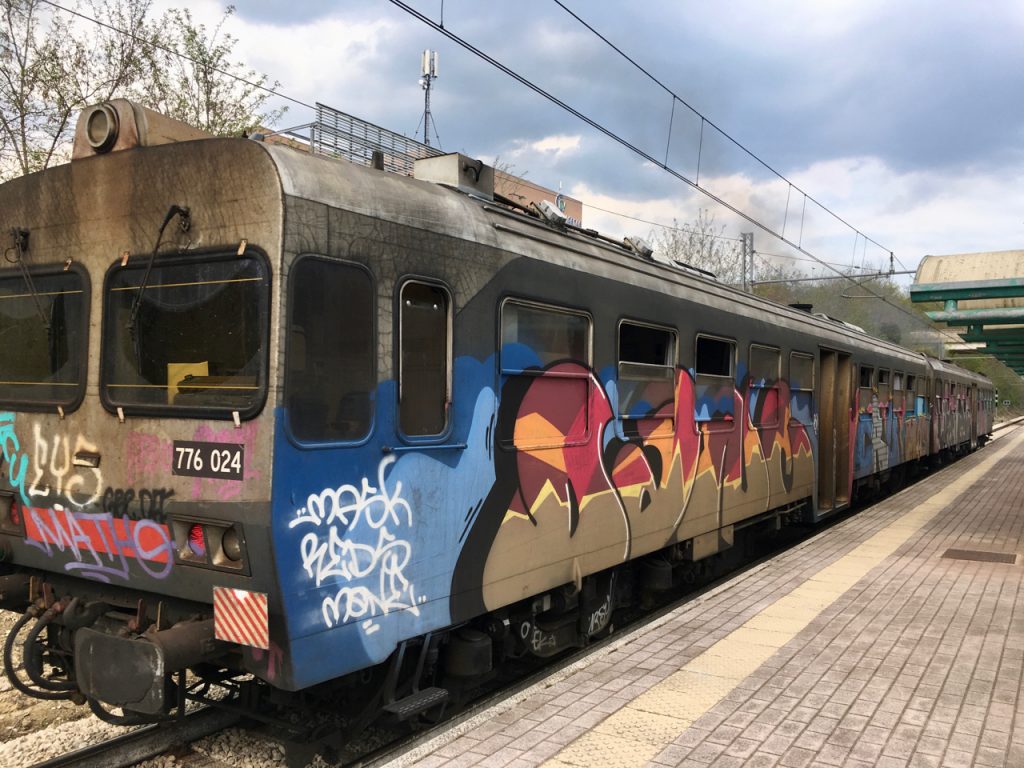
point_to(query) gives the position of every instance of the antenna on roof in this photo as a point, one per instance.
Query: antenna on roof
(428, 73)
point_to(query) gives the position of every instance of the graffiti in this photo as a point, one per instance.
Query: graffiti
(879, 437)
(538, 640)
(17, 463)
(79, 486)
(357, 542)
(227, 489)
(146, 504)
(666, 472)
(599, 619)
(272, 660)
(102, 545)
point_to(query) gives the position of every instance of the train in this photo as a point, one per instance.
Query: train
(271, 415)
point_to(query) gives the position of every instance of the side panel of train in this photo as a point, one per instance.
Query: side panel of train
(539, 423)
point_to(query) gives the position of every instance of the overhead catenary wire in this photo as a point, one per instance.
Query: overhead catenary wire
(707, 121)
(672, 227)
(165, 49)
(440, 27)
(690, 230)
(607, 131)
(465, 44)
(558, 102)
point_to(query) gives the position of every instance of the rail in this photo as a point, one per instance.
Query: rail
(146, 742)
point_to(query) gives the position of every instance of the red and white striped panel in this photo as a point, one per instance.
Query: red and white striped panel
(241, 617)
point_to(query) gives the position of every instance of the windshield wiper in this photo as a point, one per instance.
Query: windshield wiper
(20, 239)
(186, 223)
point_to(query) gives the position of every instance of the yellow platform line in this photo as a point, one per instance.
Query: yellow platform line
(643, 728)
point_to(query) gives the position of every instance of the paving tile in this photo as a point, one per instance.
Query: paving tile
(916, 665)
(796, 757)
(990, 757)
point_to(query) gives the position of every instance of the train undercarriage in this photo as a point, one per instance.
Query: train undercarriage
(110, 650)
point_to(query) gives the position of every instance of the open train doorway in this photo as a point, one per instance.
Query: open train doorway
(834, 403)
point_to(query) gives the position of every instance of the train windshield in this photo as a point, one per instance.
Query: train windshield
(43, 333)
(195, 342)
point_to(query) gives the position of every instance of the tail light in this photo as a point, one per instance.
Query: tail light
(11, 518)
(210, 543)
(196, 540)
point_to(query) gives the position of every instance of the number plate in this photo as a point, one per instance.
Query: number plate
(224, 461)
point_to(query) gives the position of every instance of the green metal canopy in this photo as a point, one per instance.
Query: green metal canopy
(983, 299)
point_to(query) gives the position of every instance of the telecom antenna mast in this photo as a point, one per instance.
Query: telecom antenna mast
(429, 73)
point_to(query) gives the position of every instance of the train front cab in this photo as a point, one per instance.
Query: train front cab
(136, 416)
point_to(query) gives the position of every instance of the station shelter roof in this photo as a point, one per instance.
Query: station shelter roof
(983, 299)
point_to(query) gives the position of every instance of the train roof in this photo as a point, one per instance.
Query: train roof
(161, 153)
(462, 214)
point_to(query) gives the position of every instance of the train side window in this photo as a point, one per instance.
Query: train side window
(884, 386)
(866, 385)
(646, 381)
(330, 357)
(801, 387)
(545, 355)
(922, 396)
(424, 366)
(763, 396)
(897, 391)
(714, 368)
(911, 395)
(533, 336)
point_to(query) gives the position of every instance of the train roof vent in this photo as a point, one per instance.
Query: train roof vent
(458, 171)
(837, 321)
(121, 124)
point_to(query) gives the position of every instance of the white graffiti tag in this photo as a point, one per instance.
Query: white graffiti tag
(358, 541)
(55, 473)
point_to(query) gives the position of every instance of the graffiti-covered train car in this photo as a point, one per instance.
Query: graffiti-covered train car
(265, 412)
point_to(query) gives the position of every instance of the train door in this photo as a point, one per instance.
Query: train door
(834, 393)
(972, 407)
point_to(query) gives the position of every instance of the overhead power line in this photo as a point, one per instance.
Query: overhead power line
(179, 54)
(558, 102)
(660, 164)
(705, 121)
(607, 131)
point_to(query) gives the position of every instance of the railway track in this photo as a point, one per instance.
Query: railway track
(146, 742)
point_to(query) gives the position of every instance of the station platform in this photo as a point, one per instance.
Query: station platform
(892, 639)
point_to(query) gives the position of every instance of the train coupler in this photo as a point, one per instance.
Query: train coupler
(134, 673)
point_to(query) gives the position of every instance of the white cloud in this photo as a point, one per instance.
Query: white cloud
(332, 59)
(912, 213)
(557, 145)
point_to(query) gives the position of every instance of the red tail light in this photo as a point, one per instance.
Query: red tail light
(11, 518)
(196, 541)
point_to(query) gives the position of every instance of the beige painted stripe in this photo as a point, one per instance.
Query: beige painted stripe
(644, 727)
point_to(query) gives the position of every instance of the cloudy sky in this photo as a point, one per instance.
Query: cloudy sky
(906, 119)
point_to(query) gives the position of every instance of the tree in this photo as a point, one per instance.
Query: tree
(190, 76)
(53, 64)
(701, 244)
(51, 68)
